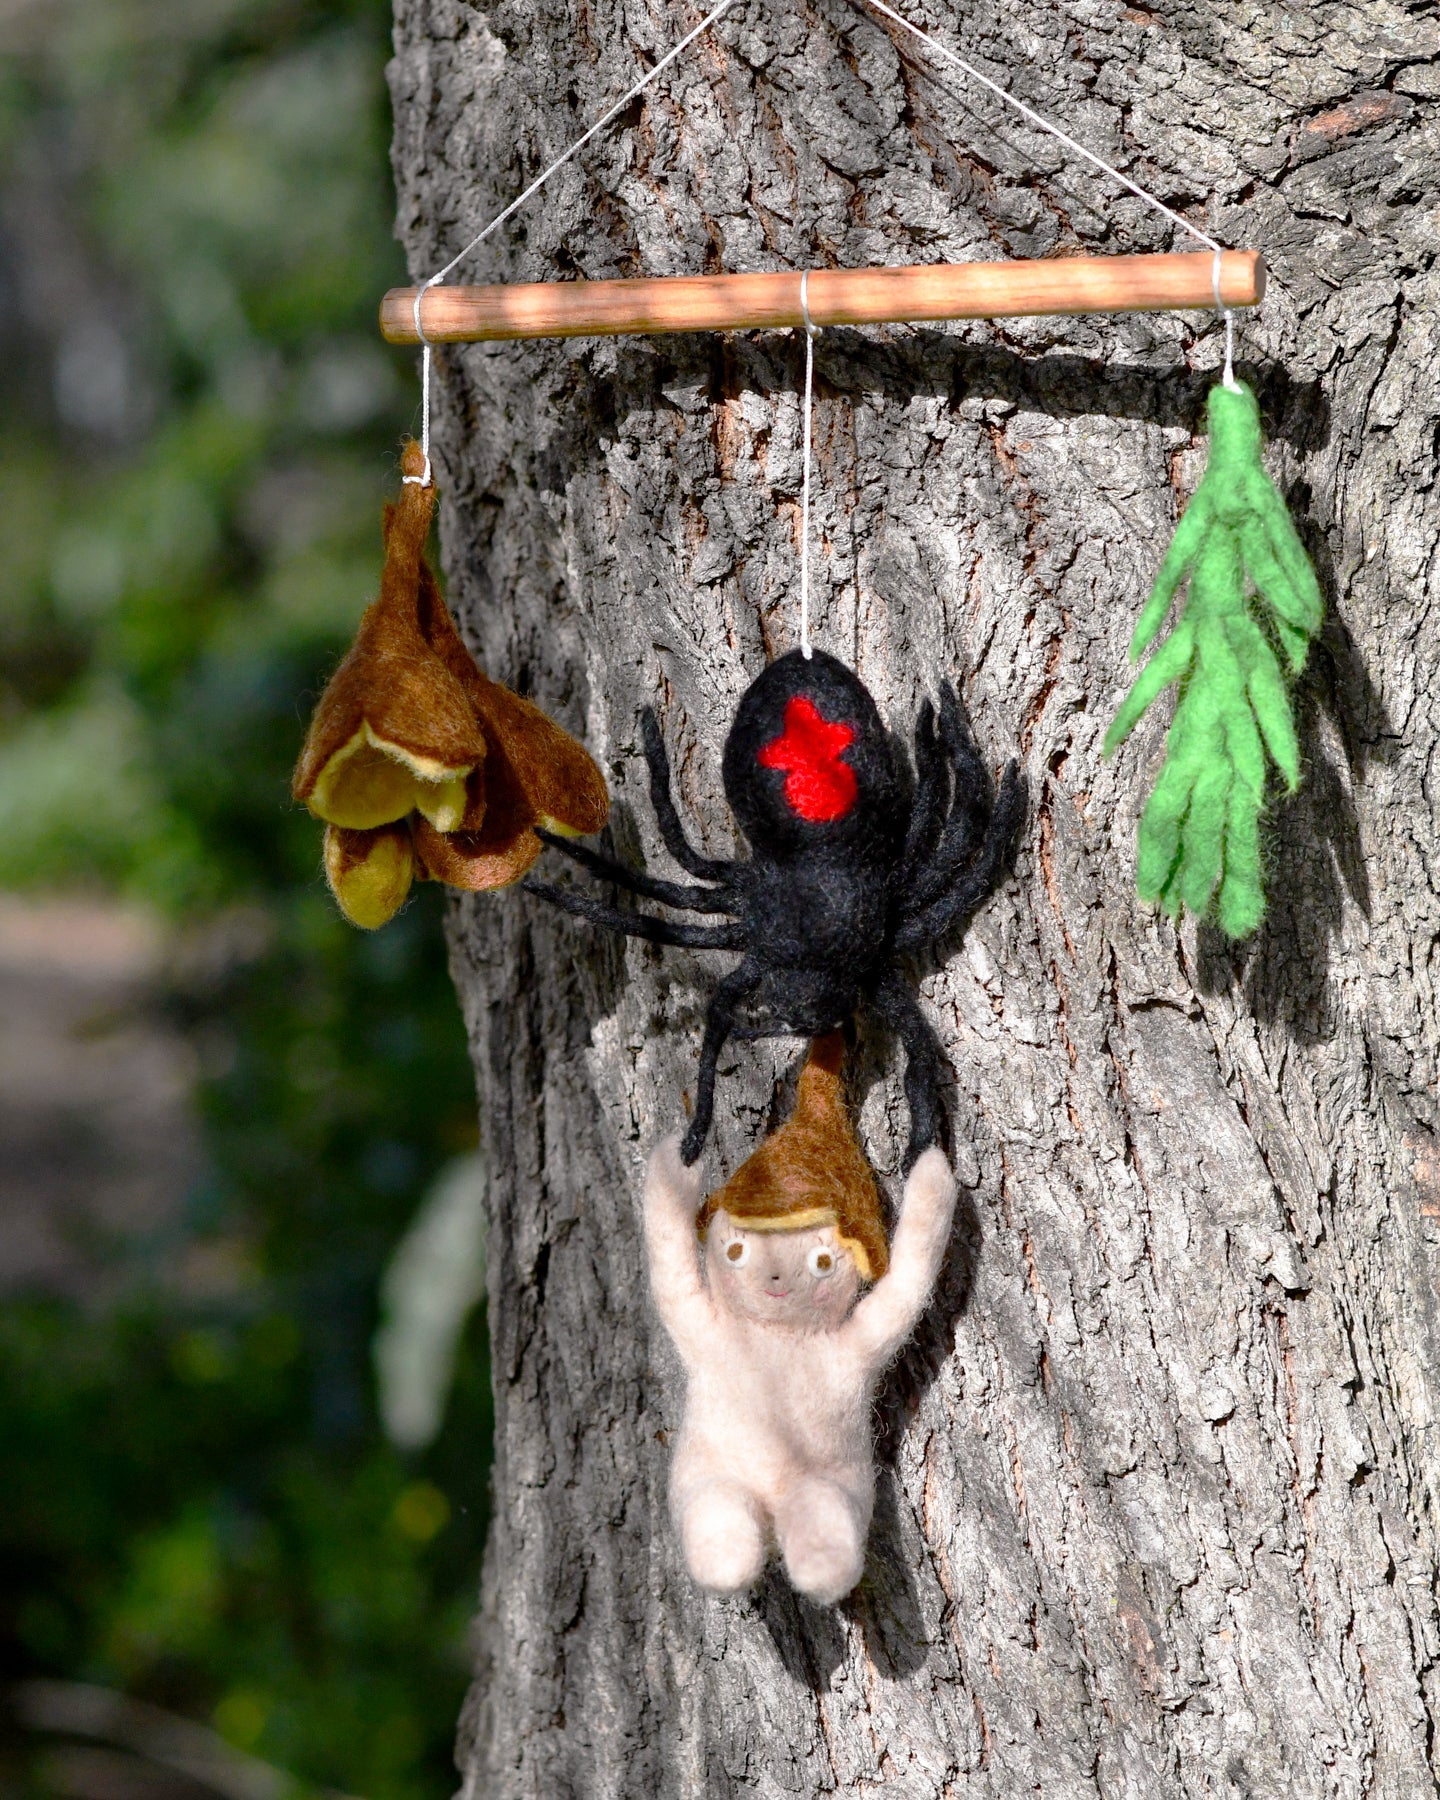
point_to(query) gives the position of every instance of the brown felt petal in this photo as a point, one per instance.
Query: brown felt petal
(814, 1162)
(564, 785)
(566, 789)
(395, 729)
(476, 802)
(500, 851)
(472, 859)
(439, 630)
(369, 871)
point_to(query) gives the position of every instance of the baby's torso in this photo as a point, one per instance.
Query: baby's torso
(770, 1405)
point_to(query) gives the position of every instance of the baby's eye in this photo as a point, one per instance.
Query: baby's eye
(737, 1253)
(820, 1260)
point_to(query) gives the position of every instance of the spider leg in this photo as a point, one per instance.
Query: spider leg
(960, 743)
(719, 1023)
(973, 793)
(971, 809)
(666, 817)
(641, 925)
(931, 782)
(924, 1064)
(669, 893)
(968, 887)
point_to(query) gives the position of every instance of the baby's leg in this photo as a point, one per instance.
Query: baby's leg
(721, 1533)
(822, 1525)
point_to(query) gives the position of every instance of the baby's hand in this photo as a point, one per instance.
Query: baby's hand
(672, 1184)
(886, 1316)
(929, 1188)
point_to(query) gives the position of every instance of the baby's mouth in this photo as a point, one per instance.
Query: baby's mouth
(778, 1293)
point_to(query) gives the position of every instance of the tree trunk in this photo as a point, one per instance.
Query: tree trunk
(1158, 1494)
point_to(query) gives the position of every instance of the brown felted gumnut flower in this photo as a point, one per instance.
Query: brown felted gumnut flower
(812, 1171)
(394, 731)
(418, 762)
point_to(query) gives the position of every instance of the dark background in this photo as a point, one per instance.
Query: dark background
(220, 1107)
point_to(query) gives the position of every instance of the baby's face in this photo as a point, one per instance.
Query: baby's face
(800, 1279)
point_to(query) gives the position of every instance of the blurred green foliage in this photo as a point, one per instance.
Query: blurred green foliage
(199, 1506)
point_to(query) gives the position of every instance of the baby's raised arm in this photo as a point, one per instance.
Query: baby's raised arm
(887, 1315)
(673, 1193)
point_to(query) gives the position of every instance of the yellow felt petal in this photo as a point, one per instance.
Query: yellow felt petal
(442, 803)
(370, 782)
(369, 872)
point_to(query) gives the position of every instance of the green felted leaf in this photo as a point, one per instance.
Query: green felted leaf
(1295, 641)
(1244, 746)
(1290, 554)
(1158, 851)
(1188, 535)
(1187, 753)
(1242, 893)
(1203, 837)
(1236, 546)
(1276, 588)
(1265, 684)
(1167, 664)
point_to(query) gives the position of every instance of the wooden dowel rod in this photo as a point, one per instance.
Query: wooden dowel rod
(987, 290)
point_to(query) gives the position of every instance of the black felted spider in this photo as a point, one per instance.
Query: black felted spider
(849, 871)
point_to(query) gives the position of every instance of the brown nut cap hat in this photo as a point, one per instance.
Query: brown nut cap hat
(812, 1171)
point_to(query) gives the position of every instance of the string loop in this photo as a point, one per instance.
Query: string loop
(423, 478)
(1228, 377)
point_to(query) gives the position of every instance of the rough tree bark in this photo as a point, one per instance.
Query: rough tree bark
(1159, 1506)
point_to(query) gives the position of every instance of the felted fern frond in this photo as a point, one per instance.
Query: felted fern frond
(1251, 588)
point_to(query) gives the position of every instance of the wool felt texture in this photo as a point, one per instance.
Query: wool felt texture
(853, 869)
(781, 1362)
(369, 872)
(419, 763)
(1251, 588)
(394, 731)
(812, 1171)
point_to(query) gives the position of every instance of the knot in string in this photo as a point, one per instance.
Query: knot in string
(423, 478)
(1228, 377)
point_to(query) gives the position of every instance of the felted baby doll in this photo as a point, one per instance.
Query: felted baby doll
(782, 1351)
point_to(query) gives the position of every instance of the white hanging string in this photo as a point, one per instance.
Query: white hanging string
(1098, 162)
(1228, 377)
(520, 199)
(612, 112)
(1035, 118)
(811, 333)
(1045, 124)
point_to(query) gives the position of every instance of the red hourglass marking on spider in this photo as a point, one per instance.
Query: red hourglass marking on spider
(818, 785)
